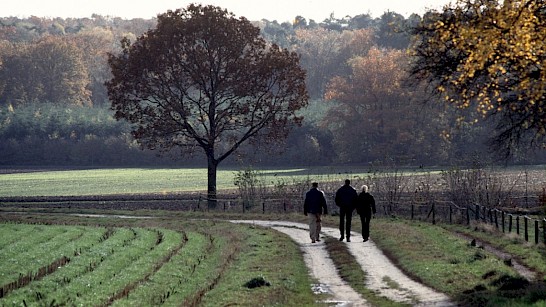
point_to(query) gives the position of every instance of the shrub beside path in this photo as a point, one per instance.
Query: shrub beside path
(380, 271)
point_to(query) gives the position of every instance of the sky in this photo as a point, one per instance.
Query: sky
(280, 10)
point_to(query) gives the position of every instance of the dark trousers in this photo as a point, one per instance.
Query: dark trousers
(345, 217)
(365, 220)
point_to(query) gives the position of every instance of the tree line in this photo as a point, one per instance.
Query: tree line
(54, 106)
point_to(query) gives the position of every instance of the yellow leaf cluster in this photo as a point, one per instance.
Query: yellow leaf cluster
(504, 46)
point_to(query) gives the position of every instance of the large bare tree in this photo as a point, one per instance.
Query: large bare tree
(205, 79)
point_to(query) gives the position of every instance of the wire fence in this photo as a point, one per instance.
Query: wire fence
(531, 227)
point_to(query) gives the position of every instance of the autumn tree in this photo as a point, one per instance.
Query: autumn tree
(373, 116)
(490, 57)
(324, 53)
(50, 70)
(95, 44)
(205, 79)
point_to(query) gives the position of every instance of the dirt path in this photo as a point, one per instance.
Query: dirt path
(381, 273)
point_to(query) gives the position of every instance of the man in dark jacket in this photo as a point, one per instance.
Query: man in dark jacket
(345, 200)
(365, 207)
(312, 207)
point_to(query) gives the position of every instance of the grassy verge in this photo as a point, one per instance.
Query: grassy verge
(270, 261)
(529, 254)
(441, 260)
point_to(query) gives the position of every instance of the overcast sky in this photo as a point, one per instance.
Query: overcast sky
(280, 10)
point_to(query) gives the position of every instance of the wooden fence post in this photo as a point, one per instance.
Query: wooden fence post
(496, 219)
(263, 207)
(477, 213)
(537, 233)
(468, 215)
(433, 214)
(412, 206)
(517, 224)
(502, 217)
(544, 229)
(526, 230)
(450, 217)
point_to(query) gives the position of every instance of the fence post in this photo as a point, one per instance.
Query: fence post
(537, 233)
(284, 205)
(496, 219)
(477, 213)
(433, 214)
(544, 229)
(517, 224)
(199, 202)
(263, 207)
(526, 230)
(412, 205)
(502, 217)
(450, 213)
(468, 215)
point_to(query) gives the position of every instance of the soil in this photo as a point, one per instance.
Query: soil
(381, 273)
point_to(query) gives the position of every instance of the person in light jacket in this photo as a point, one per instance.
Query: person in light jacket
(365, 207)
(313, 207)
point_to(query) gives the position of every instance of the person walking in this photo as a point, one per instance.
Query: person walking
(345, 199)
(365, 207)
(313, 207)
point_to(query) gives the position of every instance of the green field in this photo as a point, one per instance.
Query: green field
(51, 257)
(148, 266)
(177, 260)
(145, 181)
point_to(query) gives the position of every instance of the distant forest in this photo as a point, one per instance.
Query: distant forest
(54, 109)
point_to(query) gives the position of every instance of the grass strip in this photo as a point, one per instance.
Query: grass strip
(351, 272)
(268, 260)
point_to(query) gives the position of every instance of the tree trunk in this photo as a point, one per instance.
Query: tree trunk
(211, 176)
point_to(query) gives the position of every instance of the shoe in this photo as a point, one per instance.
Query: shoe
(318, 240)
(366, 239)
(348, 240)
(313, 241)
(341, 239)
